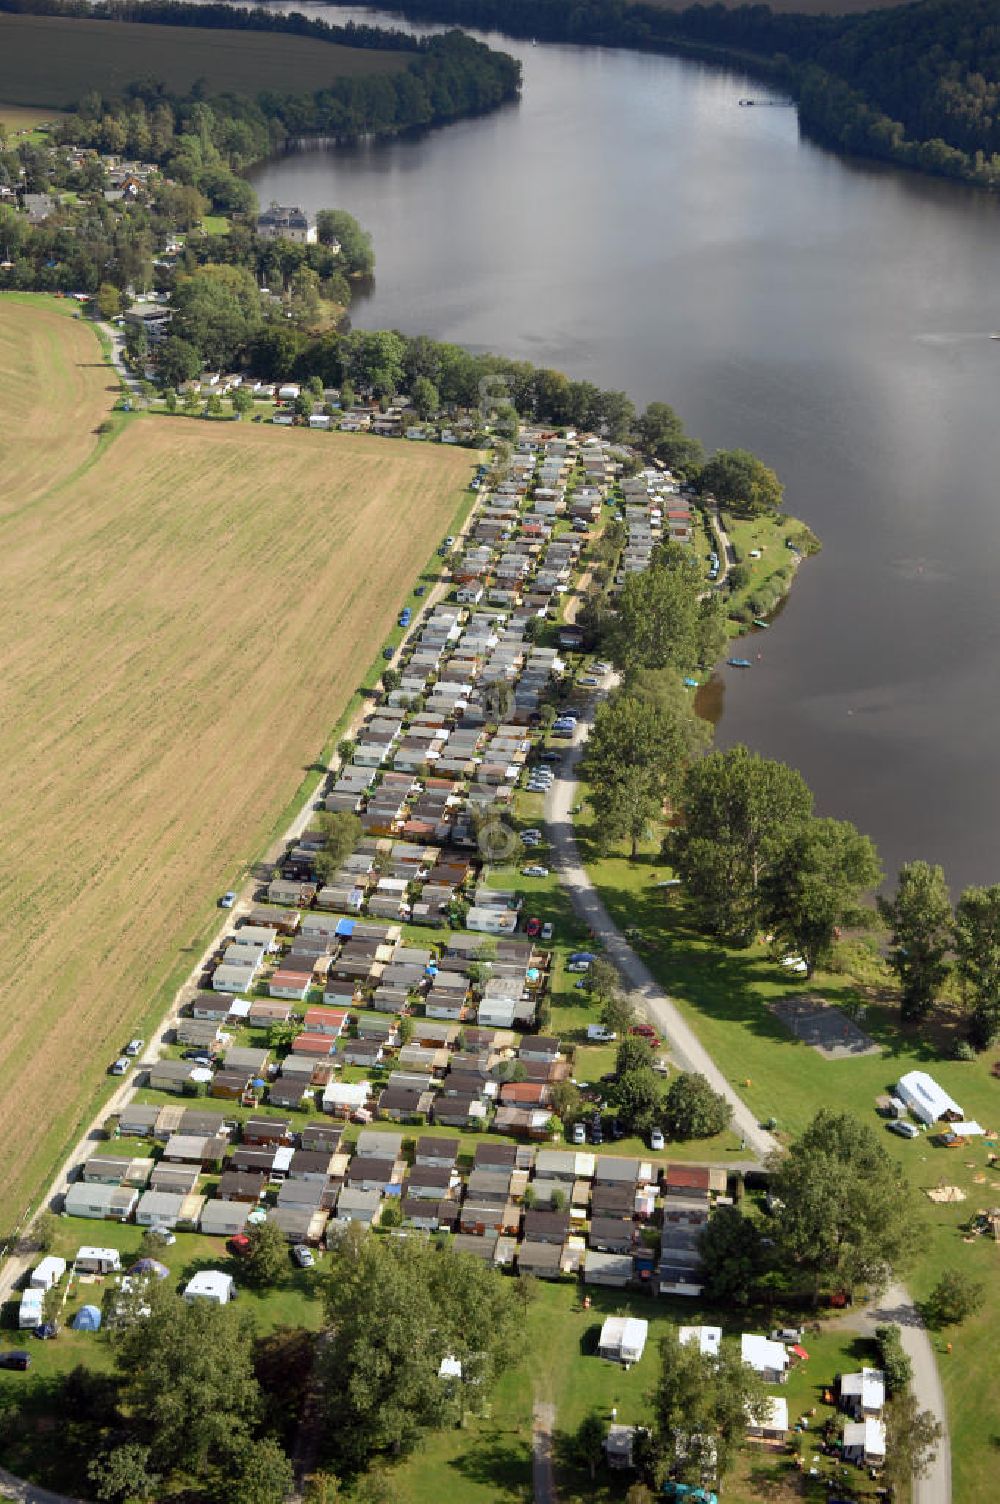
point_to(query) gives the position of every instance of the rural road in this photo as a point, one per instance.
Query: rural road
(646, 993)
(651, 1000)
(896, 1307)
(543, 1420)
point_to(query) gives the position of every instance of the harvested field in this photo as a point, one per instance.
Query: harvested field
(18, 118)
(180, 629)
(53, 60)
(54, 390)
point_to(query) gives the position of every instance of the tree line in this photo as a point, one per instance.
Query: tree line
(918, 85)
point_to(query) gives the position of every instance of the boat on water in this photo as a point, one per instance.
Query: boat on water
(738, 662)
(758, 622)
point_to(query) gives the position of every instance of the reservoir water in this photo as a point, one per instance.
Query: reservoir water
(630, 224)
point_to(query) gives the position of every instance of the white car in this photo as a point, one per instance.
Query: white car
(579, 1133)
(602, 668)
(656, 1139)
(530, 840)
(303, 1256)
(134, 1047)
(534, 871)
(547, 931)
(590, 681)
(121, 1066)
(532, 834)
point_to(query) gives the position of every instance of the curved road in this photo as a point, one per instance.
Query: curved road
(687, 1050)
(646, 993)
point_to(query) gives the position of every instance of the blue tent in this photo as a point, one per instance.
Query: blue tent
(87, 1319)
(150, 1266)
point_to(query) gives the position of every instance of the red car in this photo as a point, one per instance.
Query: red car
(239, 1245)
(533, 927)
(646, 1031)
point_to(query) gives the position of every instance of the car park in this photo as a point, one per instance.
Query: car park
(120, 1067)
(134, 1047)
(227, 900)
(904, 1129)
(303, 1256)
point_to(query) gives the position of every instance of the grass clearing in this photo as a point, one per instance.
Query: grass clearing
(724, 994)
(19, 120)
(181, 628)
(50, 61)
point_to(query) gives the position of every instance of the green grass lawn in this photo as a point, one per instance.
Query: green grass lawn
(725, 994)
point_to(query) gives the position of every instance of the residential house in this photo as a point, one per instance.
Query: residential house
(769, 1359)
(623, 1339)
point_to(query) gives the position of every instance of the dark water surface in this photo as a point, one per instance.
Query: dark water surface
(629, 223)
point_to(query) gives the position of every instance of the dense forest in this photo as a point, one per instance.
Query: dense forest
(919, 85)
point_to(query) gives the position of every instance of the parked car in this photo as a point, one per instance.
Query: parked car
(615, 1129)
(787, 1334)
(420, 590)
(449, 542)
(46, 1331)
(533, 927)
(534, 871)
(602, 668)
(578, 966)
(120, 1067)
(303, 1256)
(547, 931)
(227, 900)
(905, 1130)
(656, 1140)
(582, 955)
(534, 834)
(531, 840)
(596, 1133)
(197, 1057)
(387, 654)
(598, 1034)
(15, 1357)
(550, 755)
(590, 681)
(579, 1134)
(239, 1245)
(134, 1047)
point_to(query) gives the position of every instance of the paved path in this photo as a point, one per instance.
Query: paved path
(543, 1420)
(650, 999)
(28, 1493)
(647, 994)
(896, 1306)
(726, 556)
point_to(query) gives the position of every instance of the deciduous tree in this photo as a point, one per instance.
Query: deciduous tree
(920, 917)
(977, 948)
(701, 1407)
(741, 814)
(691, 1109)
(845, 1211)
(741, 481)
(817, 886)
